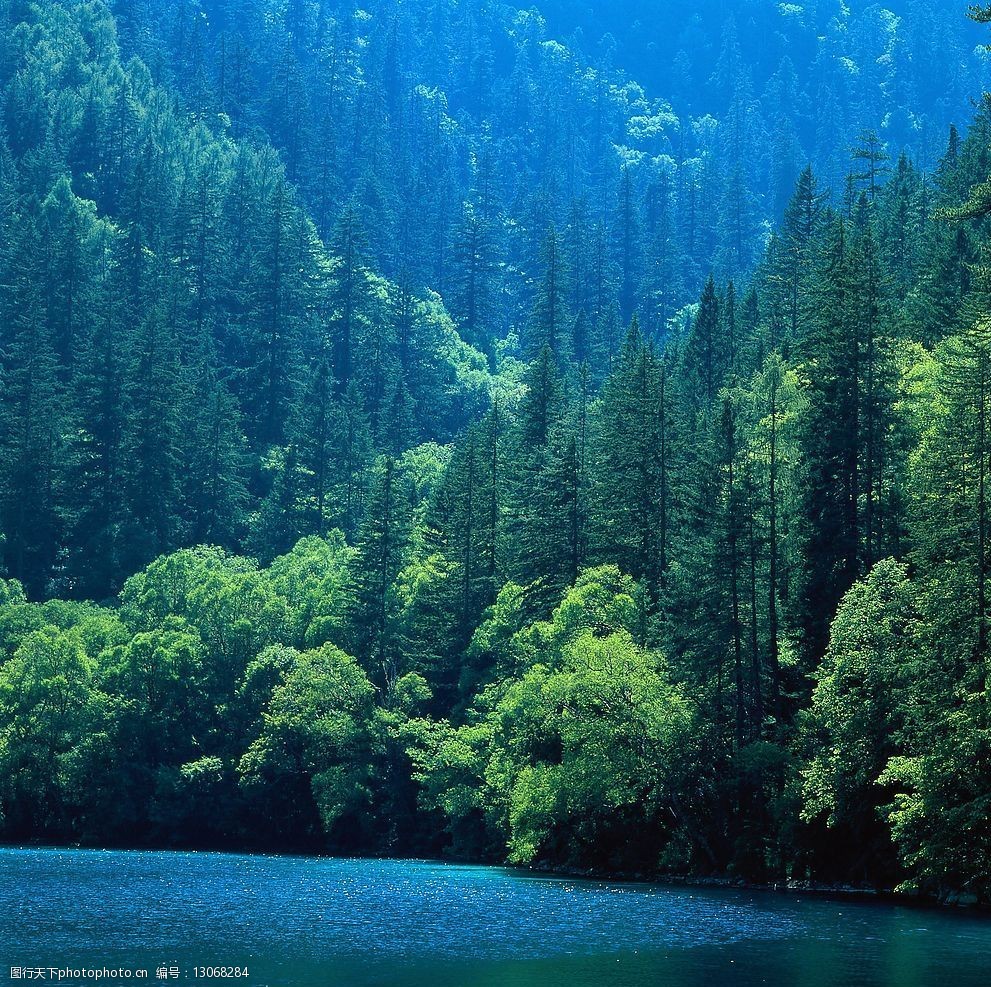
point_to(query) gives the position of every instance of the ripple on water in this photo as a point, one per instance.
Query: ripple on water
(97, 905)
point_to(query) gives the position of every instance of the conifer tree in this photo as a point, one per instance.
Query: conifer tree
(627, 509)
(550, 318)
(382, 545)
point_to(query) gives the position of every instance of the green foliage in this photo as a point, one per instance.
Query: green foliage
(858, 715)
(48, 705)
(367, 386)
(579, 750)
(314, 733)
(939, 818)
(588, 753)
(166, 292)
(567, 759)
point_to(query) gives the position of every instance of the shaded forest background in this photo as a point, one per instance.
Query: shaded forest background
(424, 435)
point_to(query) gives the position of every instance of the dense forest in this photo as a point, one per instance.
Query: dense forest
(421, 437)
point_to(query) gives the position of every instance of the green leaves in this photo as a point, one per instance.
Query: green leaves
(49, 704)
(590, 731)
(858, 706)
(316, 730)
(939, 816)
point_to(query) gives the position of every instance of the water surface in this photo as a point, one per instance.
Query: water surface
(299, 922)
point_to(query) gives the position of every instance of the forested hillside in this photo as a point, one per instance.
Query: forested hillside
(814, 73)
(419, 437)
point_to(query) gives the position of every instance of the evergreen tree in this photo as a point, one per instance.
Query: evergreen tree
(550, 317)
(627, 510)
(382, 545)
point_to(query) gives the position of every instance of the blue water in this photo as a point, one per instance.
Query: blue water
(296, 922)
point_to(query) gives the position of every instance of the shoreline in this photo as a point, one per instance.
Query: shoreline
(804, 889)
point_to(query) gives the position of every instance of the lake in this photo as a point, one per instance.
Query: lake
(299, 922)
